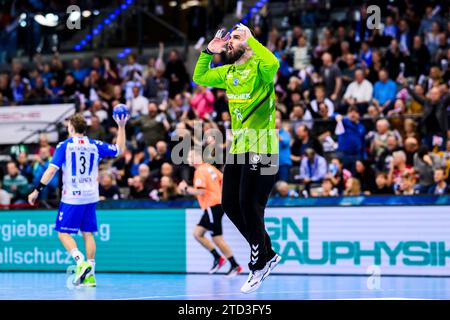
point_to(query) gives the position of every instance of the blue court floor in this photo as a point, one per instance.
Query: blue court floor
(51, 286)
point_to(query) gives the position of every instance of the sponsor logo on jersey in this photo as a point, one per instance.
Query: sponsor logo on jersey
(240, 96)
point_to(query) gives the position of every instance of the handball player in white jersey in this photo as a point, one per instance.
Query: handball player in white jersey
(78, 158)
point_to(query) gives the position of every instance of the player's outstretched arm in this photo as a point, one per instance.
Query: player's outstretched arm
(46, 178)
(121, 135)
(205, 76)
(269, 64)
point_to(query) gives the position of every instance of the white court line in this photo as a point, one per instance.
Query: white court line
(287, 292)
(393, 298)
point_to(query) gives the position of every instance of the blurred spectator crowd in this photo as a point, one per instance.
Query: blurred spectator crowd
(359, 111)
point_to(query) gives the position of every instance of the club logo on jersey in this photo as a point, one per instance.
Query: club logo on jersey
(81, 141)
(254, 160)
(235, 81)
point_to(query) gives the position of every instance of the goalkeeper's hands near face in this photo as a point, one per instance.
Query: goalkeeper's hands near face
(218, 44)
(224, 41)
(243, 31)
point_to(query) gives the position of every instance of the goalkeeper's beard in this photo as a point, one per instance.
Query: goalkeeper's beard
(235, 54)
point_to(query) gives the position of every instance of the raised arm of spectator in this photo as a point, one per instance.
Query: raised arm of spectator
(166, 124)
(109, 72)
(159, 61)
(339, 118)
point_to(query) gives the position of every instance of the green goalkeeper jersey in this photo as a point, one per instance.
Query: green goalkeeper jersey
(251, 97)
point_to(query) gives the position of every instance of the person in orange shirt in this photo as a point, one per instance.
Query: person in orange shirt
(208, 190)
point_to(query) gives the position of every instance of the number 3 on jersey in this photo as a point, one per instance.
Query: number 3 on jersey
(84, 166)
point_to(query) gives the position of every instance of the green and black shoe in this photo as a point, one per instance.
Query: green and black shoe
(89, 281)
(81, 272)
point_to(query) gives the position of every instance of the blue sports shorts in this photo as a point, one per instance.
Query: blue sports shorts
(74, 217)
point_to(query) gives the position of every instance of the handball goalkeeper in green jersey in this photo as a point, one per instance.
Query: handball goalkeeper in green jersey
(252, 161)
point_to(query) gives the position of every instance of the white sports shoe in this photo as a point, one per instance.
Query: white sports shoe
(255, 279)
(272, 263)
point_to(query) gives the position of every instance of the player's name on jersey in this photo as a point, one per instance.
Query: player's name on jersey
(81, 180)
(81, 147)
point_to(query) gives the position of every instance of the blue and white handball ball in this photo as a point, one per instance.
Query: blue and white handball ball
(120, 110)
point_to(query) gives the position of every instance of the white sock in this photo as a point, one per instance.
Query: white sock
(77, 256)
(92, 263)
